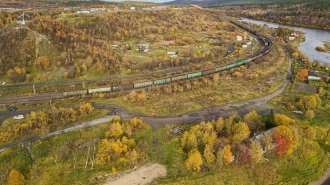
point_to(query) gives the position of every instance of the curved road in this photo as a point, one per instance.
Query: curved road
(206, 114)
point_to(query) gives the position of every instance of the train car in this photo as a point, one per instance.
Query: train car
(127, 86)
(241, 62)
(220, 68)
(162, 81)
(208, 71)
(196, 74)
(247, 60)
(229, 66)
(97, 90)
(181, 77)
(74, 93)
(142, 84)
(116, 87)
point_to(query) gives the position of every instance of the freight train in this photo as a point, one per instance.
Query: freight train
(266, 47)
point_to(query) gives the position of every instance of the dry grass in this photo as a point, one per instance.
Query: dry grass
(228, 89)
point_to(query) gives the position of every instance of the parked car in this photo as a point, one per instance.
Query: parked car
(19, 117)
(12, 109)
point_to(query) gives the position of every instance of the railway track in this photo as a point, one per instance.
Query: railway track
(266, 47)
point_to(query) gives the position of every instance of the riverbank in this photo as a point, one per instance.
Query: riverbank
(286, 24)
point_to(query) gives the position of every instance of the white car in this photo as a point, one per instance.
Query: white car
(19, 117)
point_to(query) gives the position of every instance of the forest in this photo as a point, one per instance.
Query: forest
(55, 46)
(314, 14)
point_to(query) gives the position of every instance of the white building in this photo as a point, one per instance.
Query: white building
(292, 37)
(132, 8)
(244, 46)
(239, 38)
(171, 52)
(83, 12)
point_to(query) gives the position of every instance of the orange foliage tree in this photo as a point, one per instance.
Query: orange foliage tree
(302, 73)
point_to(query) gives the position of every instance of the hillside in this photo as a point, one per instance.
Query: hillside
(80, 46)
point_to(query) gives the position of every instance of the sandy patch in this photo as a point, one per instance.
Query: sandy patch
(143, 175)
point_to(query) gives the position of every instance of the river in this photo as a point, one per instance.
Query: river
(314, 37)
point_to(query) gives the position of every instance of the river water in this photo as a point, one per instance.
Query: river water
(314, 37)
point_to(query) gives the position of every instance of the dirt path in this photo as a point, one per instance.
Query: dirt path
(143, 175)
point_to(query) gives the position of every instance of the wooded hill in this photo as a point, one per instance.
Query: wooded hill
(313, 14)
(55, 46)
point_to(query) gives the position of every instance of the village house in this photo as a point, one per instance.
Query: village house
(291, 37)
(83, 12)
(260, 139)
(315, 75)
(171, 52)
(239, 38)
(143, 47)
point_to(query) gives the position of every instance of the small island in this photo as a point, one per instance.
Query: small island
(326, 47)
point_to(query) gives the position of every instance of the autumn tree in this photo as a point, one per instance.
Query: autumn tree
(256, 152)
(309, 102)
(309, 114)
(268, 141)
(302, 73)
(15, 178)
(282, 119)
(253, 121)
(309, 132)
(85, 109)
(194, 160)
(220, 157)
(227, 154)
(283, 139)
(208, 154)
(219, 125)
(240, 132)
(43, 62)
(115, 130)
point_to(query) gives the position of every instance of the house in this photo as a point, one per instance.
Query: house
(291, 37)
(174, 56)
(132, 8)
(171, 52)
(260, 139)
(244, 46)
(315, 75)
(96, 9)
(296, 34)
(115, 46)
(83, 12)
(239, 38)
(249, 43)
(143, 47)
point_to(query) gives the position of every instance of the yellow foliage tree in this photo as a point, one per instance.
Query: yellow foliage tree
(240, 132)
(86, 109)
(115, 130)
(227, 154)
(208, 154)
(194, 160)
(256, 152)
(281, 119)
(15, 178)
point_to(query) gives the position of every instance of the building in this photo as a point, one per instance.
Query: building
(132, 8)
(83, 12)
(315, 75)
(291, 37)
(171, 52)
(244, 46)
(239, 38)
